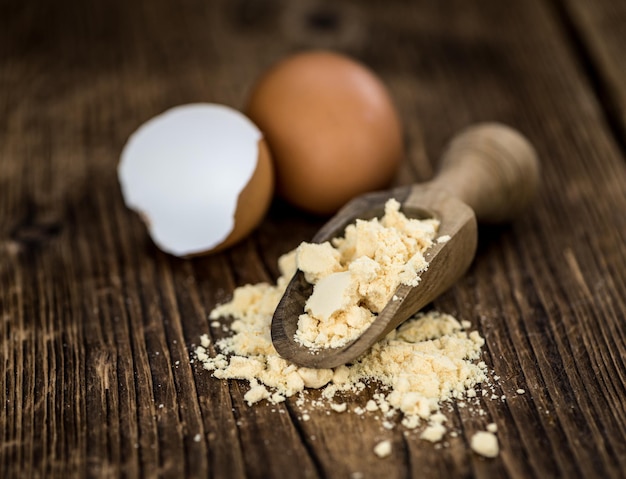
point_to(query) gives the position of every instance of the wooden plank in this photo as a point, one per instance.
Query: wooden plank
(97, 326)
(597, 28)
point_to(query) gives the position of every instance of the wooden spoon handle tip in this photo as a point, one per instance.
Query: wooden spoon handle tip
(492, 168)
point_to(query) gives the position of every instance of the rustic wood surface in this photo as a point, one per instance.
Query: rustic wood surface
(97, 326)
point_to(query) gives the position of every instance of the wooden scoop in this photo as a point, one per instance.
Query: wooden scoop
(489, 172)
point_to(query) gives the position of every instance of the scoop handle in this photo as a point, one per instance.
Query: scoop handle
(492, 168)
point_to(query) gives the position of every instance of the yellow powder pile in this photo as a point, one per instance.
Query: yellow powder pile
(357, 275)
(428, 360)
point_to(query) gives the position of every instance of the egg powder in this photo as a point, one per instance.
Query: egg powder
(428, 360)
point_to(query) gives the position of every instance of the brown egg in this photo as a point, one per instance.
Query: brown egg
(331, 126)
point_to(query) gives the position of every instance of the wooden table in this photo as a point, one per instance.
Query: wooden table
(97, 326)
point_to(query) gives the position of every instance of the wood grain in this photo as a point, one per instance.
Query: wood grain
(97, 326)
(597, 31)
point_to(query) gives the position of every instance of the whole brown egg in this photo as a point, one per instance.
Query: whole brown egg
(331, 126)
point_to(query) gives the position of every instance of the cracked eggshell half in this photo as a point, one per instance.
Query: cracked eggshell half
(199, 175)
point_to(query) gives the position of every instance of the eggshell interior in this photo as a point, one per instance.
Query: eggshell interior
(185, 171)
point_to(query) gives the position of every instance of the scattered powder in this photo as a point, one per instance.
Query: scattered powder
(428, 361)
(520, 391)
(383, 448)
(485, 443)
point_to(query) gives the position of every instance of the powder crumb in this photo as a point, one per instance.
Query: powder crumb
(433, 433)
(201, 354)
(317, 260)
(205, 341)
(197, 438)
(383, 448)
(306, 417)
(338, 407)
(371, 405)
(276, 398)
(411, 422)
(388, 425)
(215, 324)
(443, 239)
(438, 418)
(492, 427)
(485, 443)
(256, 393)
(520, 391)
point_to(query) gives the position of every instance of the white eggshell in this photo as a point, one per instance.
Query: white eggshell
(183, 172)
